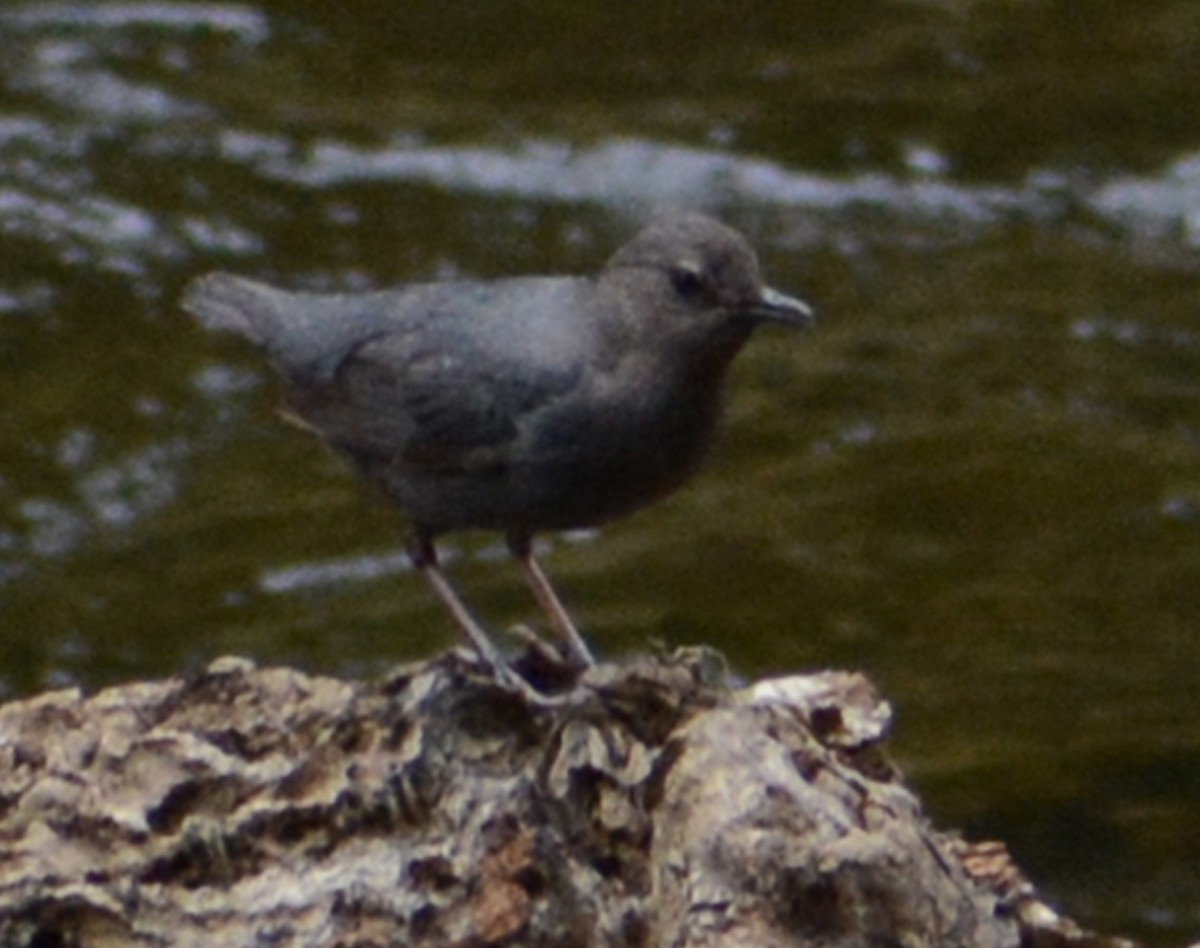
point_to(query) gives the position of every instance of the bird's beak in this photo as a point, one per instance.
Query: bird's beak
(776, 307)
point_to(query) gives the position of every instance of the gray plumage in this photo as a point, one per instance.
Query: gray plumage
(523, 404)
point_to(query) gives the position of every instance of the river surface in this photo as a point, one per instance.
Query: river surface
(978, 480)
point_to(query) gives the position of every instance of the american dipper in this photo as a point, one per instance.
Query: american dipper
(518, 405)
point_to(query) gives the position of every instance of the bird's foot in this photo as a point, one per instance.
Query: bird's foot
(552, 665)
(539, 666)
(508, 678)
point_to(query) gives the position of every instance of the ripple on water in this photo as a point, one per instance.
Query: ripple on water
(243, 22)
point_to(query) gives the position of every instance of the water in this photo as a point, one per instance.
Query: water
(978, 481)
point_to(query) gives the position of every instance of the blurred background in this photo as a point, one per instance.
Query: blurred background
(978, 481)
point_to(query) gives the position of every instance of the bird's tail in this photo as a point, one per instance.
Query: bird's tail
(233, 304)
(306, 336)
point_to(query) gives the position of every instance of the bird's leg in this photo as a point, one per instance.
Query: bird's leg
(522, 549)
(424, 557)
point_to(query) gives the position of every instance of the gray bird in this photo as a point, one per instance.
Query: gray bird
(518, 405)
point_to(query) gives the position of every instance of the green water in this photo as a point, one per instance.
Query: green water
(978, 480)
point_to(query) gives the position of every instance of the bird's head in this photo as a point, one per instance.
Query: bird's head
(699, 282)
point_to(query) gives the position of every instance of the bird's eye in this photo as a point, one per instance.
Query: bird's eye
(687, 281)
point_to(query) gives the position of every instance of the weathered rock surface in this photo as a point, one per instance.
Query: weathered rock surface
(252, 806)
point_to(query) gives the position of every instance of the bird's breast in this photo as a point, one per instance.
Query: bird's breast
(626, 443)
(593, 453)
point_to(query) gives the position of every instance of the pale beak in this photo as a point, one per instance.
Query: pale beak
(776, 307)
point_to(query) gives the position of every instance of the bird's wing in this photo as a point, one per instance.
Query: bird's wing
(448, 376)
